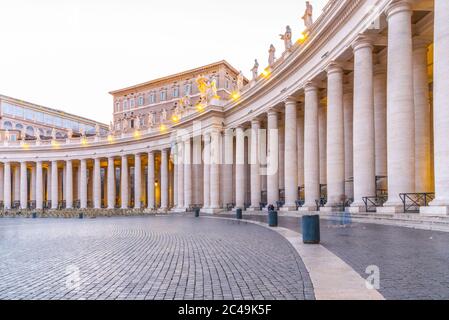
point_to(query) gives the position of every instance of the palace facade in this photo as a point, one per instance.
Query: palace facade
(355, 113)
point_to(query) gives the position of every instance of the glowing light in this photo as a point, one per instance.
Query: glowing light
(25, 146)
(84, 141)
(235, 95)
(110, 138)
(302, 37)
(54, 143)
(175, 119)
(266, 73)
(200, 107)
(163, 128)
(136, 134)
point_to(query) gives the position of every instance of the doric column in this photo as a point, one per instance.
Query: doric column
(39, 186)
(23, 186)
(400, 106)
(206, 171)
(54, 185)
(164, 179)
(175, 175)
(2, 182)
(69, 184)
(111, 183)
(97, 184)
(124, 183)
(187, 173)
(311, 148)
(33, 183)
(348, 124)
(281, 128)
(441, 110)
(215, 170)
(364, 142)
(291, 163)
(335, 137)
(255, 168)
(380, 123)
(273, 158)
(197, 170)
(423, 159)
(137, 181)
(151, 181)
(240, 168)
(83, 184)
(7, 185)
(16, 187)
(181, 202)
(300, 143)
(48, 182)
(322, 141)
(228, 166)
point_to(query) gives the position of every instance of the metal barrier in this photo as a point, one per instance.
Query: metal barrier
(299, 204)
(413, 201)
(230, 206)
(372, 203)
(279, 204)
(320, 203)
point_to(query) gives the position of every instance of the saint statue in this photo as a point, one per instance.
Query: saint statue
(82, 131)
(7, 135)
(240, 82)
(184, 103)
(53, 134)
(138, 122)
(255, 70)
(213, 91)
(150, 120)
(70, 133)
(24, 134)
(164, 115)
(272, 55)
(287, 37)
(37, 135)
(308, 15)
(111, 127)
(202, 83)
(97, 130)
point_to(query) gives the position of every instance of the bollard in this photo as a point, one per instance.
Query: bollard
(311, 229)
(197, 213)
(34, 215)
(273, 218)
(81, 215)
(239, 214)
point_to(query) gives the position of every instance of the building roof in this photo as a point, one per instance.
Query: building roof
(184, 73)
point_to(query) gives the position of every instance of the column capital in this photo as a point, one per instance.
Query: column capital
(273, 112)
(290, 100)
(397, 7)
(255, 122)
(311, 86)
(334, 67)
(362, 42)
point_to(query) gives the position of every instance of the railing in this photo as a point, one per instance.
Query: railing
(372, 203)
(15, 205)
(279, 204)
(299, 204)
(413, 201)
(320, 203)
(230, 206)
(262, 205)
(32, 204)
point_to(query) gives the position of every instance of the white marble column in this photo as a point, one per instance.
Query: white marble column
(187, 173)
(423, 158)
(16, 186)
(39, 186)
(7, 185)
(175, 176)
(23, 186)
(97, 184)
(111, 183)
(322, 141)
(206, 170)
(54, 185)
(164, 179)
(197, 170)
(83, 184)
(69, 184)
(215, 170)
(137, 181)
(240, 168)
(300, 143)
(311, 148)
(364, 135)
(2, 182)
(335, 137)
(228, 166)
(151, 181)
(441, 111)
(291, 153)
(33, 183)
(124, 183)
(400, 106)
(254, 165)
(348, 124)
(380, 124)
(181, 202)
(273, 158)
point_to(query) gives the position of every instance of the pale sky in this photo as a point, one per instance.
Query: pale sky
(68, 54)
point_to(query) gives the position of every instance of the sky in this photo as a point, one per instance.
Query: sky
(68, 54)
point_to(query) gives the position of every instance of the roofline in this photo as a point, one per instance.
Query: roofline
(212, 65)
(60, 112)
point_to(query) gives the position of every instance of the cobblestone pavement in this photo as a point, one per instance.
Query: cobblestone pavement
(147, 258)
(413, 264)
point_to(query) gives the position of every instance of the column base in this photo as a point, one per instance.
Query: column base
(306, 208)
(434, 211)
(212, 210)
(330, 209)
(356, 209)
(179, 210)
(288, 208)
(251, 209)
(392, 209)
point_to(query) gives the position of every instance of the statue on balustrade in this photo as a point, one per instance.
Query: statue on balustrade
(137, 121)
(240, 82)
(37, 134)
(287, 37)
(255, 70)
(207, 88)
(150, 120)
(271, 55)
(164, 115)
(53, 134)
(308, 15)
(184, 103)
(97, 130)
(69, 133)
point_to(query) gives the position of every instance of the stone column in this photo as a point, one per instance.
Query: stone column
(291, 163)
(83, 184)
(137, 181)
(16, 186)
(33, 183)
(23, 186)
(441, 111)
(349, 164)
(2, 182)
(151, 197)
(215, 170)
(311, 148)
(255, 167)
(69, 184)
(97, 184)
(164, 179)
(187, 173)
(111, 183)
(240, 168)
(39, 186)
(206, 173)
(54, 185)
(181, 202)
(400, 106)
(423, 159)
(124, 183)
(380, 123)
(228, 166)
(175, 176)
(364, 141)
(7, 185)
(300, 143)
(273, 158)
(197, 170)
(322, 142)
(335, 137)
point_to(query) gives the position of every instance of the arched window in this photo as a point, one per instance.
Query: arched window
(7, 125)
(19, 126)
(140, 101)
(60, 135)
(30, 131)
